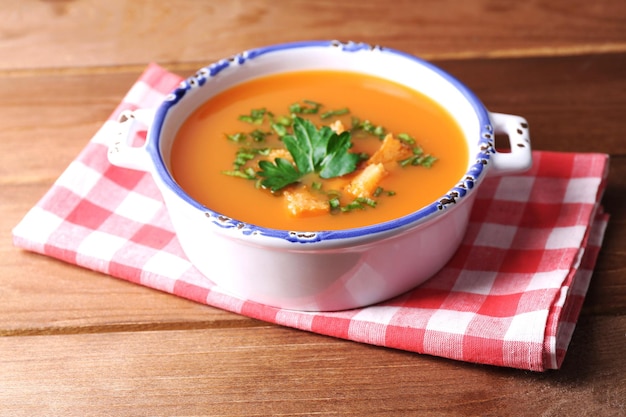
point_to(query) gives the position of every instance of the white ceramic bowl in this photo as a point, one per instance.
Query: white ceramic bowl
(314, 269)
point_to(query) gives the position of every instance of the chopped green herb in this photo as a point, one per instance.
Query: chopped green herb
(359, 203)
(248, 174)
(406, 138)
(355, 205)
(334, 203)
(280, 125)
(279, 129)
(237, 137)
(419, 159)
(259, 135)
(306, 107)
(320, 151)
(368, 127)
(256, 116)
(284, 120)
(244, 155)
(428, 161)
(331, 113)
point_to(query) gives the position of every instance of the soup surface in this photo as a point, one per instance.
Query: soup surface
(205, 149)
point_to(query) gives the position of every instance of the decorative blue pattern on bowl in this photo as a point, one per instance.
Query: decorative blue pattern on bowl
(485, 138)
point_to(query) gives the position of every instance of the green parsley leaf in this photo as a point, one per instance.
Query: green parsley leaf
(278, 174)
(321, 151)
(307, 145)
(338, 161)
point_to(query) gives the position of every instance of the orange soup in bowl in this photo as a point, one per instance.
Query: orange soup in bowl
(318, 150)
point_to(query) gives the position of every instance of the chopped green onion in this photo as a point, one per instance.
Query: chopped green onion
(368, 127)
(280, 129)
(379, 131)
(359, 204)
(309, 107)
(425, 161)
(352, 206)
(368, 201)
(428, 161)
(242, 157)
(241, 174)
(258, 135)
(256, 116)
(237, 137)
(331, 113)
(406, 138)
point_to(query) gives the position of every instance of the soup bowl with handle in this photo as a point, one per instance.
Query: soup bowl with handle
(322, 270)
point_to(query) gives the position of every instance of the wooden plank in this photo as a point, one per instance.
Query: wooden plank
(75, 342)
(572, 103)
(277, 371)
(43, 296)
(93, 33)
(46, 121)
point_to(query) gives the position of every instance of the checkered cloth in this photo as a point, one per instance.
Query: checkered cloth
(510, 296)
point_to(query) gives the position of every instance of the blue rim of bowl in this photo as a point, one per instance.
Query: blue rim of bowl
(439, 206)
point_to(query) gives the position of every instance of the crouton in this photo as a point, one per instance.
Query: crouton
(337, 127)
(391, 150)
(301, 202)
(366, 181)
(279, 153)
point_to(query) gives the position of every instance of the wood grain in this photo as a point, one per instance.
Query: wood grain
(76, 342)
(91, 33)
(72, 107)
(276, 371)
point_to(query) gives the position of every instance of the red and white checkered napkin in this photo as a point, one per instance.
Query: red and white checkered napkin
(510, 296)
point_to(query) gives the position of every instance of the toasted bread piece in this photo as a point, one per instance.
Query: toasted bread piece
(337, 127)
(391, 150)
(279, 153)
(366, 181)
(301, 202)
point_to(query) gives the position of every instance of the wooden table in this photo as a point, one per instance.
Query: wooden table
(74, 342)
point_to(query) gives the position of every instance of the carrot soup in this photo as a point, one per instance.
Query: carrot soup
(318, 150)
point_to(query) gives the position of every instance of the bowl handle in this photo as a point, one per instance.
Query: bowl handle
(121, 151)
(519, 159)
